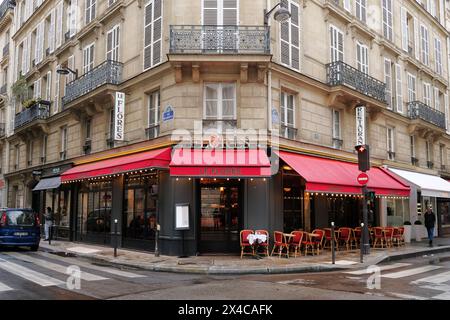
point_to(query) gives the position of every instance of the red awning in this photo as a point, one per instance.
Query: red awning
(326, 175)
(219, 163)
(159, 158)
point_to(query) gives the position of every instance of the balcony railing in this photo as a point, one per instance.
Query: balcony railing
(340, 73)
(6, 50)
(7, 4)
(288, 132)
(109, 72)
(38, 111)
(4, 89)
(220, 39)
(2, 129)
(152, 132)
(419, 110)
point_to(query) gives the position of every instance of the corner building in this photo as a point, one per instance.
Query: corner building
(215, 63)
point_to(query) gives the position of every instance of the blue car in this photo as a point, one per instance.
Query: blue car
(19, 228)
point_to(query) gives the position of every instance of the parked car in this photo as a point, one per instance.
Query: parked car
(19, 228)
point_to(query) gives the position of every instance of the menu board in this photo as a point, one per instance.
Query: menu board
(182, 217)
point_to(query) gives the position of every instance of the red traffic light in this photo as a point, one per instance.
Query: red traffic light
(360, 149)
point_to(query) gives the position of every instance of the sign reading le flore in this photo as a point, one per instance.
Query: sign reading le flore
(119, 116)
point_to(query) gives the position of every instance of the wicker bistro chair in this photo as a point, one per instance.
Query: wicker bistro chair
(245, 244)
(327, 239)
(319, 240)
(296, 242)
(344, 237)
(280, 242)
(357, 236)
(402, 236)
(264, 247)
(378, 237)
(397, 237)
(388, 236)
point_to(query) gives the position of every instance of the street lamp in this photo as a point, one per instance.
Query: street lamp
(281, 15)
(66, 70)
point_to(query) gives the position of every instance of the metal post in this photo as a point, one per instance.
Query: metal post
(362, 243)
(158, 227)
(50, 234)
(333, 253)
(115, 237)
(365, 230)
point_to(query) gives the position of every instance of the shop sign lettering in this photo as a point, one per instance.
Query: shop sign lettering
(119, 116)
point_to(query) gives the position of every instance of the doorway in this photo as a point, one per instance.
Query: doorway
(220, 215)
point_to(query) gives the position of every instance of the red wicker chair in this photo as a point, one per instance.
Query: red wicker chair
(378, 236)
(265, 245)
(388, 236)
(296, 242)
(344, 237)
(280, 243)
(245, 244)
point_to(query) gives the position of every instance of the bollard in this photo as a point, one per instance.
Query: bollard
(362, 243)
(158, 227)
(50, 234)
(333, 253)
(115, 237)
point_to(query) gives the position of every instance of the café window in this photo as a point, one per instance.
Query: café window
(397, 212)
(292, 200)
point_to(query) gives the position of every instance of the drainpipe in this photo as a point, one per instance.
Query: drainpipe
(269, 83)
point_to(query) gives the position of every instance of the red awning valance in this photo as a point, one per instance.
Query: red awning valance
(219, 163)
(159, 158)
(332, 176)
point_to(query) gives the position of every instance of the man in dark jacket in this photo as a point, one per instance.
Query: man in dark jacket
(430, 221)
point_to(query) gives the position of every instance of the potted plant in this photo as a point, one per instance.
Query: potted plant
(20, 89)
(418, 230)
(407, 235)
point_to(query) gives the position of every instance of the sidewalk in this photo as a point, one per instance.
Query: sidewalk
(221, 265)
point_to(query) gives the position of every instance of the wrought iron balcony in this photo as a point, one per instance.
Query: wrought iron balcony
(4, 89)
(340, 73)
(419, 110)
(38, 111)
(2, 129)
(7, 4)
(109, 72)
(288, 132)
(153, 131)
(220, 39)
(6, 50)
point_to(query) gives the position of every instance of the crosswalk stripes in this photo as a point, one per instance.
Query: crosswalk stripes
(410, 272)
(28, 274)
(4, 287)
(382, 268)
(53, 266)
(435, 279)
(114, 271)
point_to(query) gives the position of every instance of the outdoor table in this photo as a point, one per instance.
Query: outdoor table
(255, 240)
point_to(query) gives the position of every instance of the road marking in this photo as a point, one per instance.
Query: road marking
(382, 268)
(442, 296)
(436, 279)
(410, 272)
(28, 274)
(407, 296)
(53, 266)
(4, 287)
(116, 272)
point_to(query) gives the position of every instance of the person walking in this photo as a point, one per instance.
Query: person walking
(430, 221)
(48, 222)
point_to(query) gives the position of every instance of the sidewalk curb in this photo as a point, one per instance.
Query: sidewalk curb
(229, 270)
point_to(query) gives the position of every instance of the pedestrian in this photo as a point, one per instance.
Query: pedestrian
(430, 221)
(48, 222)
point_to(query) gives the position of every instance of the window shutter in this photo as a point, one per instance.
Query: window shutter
(285, 54)
(16, 64)
(48, 89)
(347, 5)
(153, 34)
(109, 40)
(295, 37)
(446, 112)
(40, 42)
(230, 13)
(388, 80)
(437, 104)
(57, 88)
(71, 65)
(405, 40)
(416, 38)
(398, 88)
(37, 89)
(59, 24)
(73, 18)
(210, 12)
(148, 35)
(51, 32)
(157, 32)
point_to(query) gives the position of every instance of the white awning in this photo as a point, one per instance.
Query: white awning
(430, 186)
(48, 184)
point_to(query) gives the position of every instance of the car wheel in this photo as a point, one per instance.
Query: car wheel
(34, 248)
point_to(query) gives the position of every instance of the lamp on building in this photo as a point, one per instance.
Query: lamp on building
(281, 15)
(66, 70)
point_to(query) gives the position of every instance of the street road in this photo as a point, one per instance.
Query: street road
(42, 275)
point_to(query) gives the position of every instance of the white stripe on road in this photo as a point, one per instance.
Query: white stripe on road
(382, 268)
(28, 274)
(4, 287)
(53, 266)
(116, 272)
(436, 279)
(407, 296)
(410, 272)
(442, 296)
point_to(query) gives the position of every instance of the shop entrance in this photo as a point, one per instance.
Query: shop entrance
(220, 207)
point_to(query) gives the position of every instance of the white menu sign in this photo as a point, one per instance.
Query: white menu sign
(360, 125)
(119, 116)
(182, 217)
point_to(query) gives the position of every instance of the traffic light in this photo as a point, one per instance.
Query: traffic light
(363, 158)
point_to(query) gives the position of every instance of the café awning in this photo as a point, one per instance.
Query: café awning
(220, 163)
(159, 158)
(333, 176)
(429, 185)
(48, 184)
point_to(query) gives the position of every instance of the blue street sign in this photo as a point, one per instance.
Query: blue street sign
(168, 113)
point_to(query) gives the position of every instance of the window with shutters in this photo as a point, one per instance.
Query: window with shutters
(57, 90)
(90, 11)
(290, 37)
(336, 44)
(88, 58)
(390, 83)
(337, 135)
(48, 86)
(438, 96)
(398, 88)
(154, 106)
(425, 45)
(112, 44)
(59, 24)
(387, 19)
(72, 17)
(362, 57)
(37, 88)
(411, 88)
(219, 106)
(438, 55)
(427, 94)
(153, 34)
(361, 10)
(287, 108)
(50, 24)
